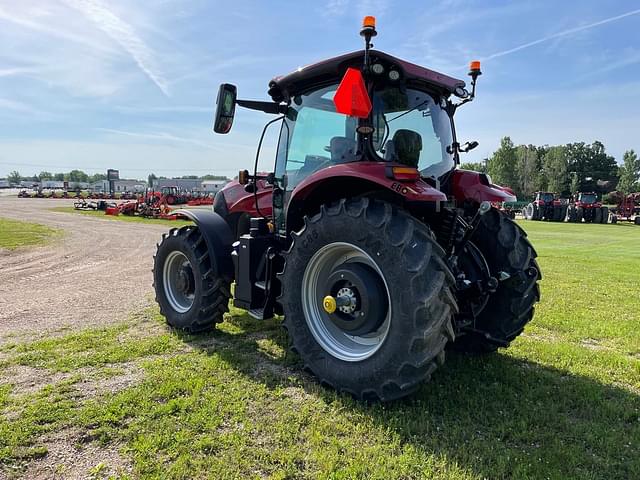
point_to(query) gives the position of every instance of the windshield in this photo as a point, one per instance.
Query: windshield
(587, 198)
(316, 136)
(546, 197)
(413, 129)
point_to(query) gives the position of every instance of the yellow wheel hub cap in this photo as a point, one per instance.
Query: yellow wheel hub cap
(329, 304)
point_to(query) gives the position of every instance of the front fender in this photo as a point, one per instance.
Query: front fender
(218, 237)
(469, 185)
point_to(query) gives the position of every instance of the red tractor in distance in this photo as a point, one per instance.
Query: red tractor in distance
(587, 208)
(627, 208)
(545, 206)
(375, 248)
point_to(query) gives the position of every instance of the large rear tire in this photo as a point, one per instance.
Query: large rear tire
(384, 358)
(191, 297)
(605, 215)
(506, 249)
(597, 215)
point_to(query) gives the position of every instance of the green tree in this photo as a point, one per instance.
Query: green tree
(502, 166)
(529, 168)
(575, 183)
(629, 173)
(215, 177)
(44, 175)
(77, 176)
(58, 177)
(96, 177)
(592, 165)
(555, 167)
(151, 178)
(14, 177)
(474, 166)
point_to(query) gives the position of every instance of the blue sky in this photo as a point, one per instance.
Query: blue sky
(98, 84)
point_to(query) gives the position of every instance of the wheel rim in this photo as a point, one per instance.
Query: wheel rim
(333, 339)
(178, 281)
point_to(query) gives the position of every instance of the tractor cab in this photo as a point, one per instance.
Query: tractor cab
(587, 199)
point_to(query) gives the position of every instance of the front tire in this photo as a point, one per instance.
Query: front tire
(190, 295)
(386, 358)
(505, 248)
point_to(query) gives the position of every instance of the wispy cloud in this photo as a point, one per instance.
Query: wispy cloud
(8, 72)
(125, 35)
(16, 106)
(563, 33)
(160, 136)
(335, 8)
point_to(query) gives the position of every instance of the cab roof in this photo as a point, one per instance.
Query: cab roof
(328, 72)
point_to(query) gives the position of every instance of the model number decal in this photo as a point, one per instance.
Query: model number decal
(397, 187)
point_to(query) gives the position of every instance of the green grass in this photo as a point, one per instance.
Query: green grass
(562, 402)
(123, 218)
(14, 234)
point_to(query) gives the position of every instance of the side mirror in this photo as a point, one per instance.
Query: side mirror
(225, 108)
(467, 147)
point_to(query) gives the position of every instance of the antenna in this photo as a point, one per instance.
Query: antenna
(368, 31)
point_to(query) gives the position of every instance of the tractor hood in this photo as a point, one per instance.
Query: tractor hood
(331, 71)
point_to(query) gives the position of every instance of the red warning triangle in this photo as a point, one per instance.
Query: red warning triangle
(352, 98)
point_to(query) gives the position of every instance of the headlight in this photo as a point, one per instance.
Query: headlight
(377, 68)
(394, 75)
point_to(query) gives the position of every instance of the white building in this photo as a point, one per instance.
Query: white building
(213, 186)
(119, 186)
(183, 184)
(52, 184)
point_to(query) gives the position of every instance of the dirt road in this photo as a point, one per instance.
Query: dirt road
(99, 272)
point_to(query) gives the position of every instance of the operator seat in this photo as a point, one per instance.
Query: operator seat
(342, 149)
(407, 146)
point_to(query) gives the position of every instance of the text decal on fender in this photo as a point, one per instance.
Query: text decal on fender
(401, 189)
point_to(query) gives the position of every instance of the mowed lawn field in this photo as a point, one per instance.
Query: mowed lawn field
(562, 402)
(14, 234)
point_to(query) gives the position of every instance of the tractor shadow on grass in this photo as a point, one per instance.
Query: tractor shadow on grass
(494, 416)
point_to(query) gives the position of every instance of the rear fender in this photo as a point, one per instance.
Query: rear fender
(218, 237)
(355, 179)
(468, 185)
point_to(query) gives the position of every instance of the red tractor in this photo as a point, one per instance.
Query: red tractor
(627, 208)
(545, 206)
(375, 248)
(587, 208)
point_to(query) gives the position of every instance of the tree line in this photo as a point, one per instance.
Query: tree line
(72, 176)
(79, 176)
(563, 169)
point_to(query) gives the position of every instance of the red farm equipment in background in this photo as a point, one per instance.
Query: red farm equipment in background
(627, 208)
(545, 206)
(586, 208)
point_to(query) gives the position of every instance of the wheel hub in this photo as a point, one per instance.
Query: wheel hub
(361, 303)
(346, 301)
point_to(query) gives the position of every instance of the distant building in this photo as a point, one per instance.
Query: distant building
(213, 186)
(119, 186)
(4, 183)
(52, 184)
(183, 184)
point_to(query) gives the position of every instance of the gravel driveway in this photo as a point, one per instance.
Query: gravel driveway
(99, 272)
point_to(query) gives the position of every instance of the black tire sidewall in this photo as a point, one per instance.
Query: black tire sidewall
(175, 241)
(393, 265)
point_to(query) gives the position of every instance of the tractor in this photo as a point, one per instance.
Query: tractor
(627, 207)
(587, 208)
(377, 251)
(545, 206)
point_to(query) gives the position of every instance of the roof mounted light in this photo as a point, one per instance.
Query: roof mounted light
(394, 75)
(377, 68)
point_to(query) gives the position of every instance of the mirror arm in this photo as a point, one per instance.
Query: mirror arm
(266, 107)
